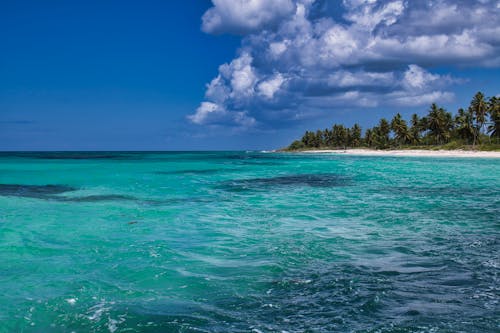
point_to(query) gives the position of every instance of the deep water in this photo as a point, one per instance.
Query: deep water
(247, 241)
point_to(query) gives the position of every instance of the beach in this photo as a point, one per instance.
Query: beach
(408, 153)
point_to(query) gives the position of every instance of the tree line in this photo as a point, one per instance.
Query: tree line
(479, 123)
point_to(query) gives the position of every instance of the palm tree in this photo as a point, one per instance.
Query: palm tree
(400, 129)
(376, 137)
(494, 111)
(327, 136)
(415, 129)
(381, 137)
(494, 128)
(309, 139)
(318, 139)
(478, 108)
(369, 137)
(339, 135)
(465, 125)
(356, 135)
(296, 145)
(439, 123)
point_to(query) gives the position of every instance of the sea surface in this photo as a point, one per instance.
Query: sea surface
(248, 242)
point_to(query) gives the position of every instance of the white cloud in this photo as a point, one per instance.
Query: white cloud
(277, 48)
(209, 113)
(217, 90)
(206, 111)
(241, 75)
(400, 98)
(297, 56)
(368, 15)
(337, 46)
(417, 78)
(272, 86)
(243, 16)
(346, 79)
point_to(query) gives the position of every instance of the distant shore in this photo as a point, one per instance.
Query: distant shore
(406, 152)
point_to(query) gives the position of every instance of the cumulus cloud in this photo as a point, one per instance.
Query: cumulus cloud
(347, 79)
(299, 57)
(270, 87)
(209, 113)
(416, 78)
(244, 16)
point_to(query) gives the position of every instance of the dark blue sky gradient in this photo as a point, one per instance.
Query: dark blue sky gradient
(123, 75)
(103, 75)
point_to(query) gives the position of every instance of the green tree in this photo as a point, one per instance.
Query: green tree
(327, 136)
(381, 134)
(494, 111)
(304, 139)
(415, 129)
(309, 139)
(348, 138)
(356, 135)
(401, 134)
(479, 108)
(369, 138)
(318, 139)
(339, 134)
(440, 124)
(465, 125)
(296, 145)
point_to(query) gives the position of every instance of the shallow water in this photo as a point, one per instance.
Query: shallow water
(240, 242)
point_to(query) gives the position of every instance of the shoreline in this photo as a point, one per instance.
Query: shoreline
(404, 152)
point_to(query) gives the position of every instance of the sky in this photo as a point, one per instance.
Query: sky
(232, 74)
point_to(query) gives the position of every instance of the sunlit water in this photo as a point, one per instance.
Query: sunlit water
(241, 242)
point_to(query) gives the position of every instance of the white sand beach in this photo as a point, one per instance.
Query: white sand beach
(415, 152)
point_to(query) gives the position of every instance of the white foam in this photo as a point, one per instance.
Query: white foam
(72, 301)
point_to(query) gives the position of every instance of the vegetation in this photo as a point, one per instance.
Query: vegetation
(478, 127)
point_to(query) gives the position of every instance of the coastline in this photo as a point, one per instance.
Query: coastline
(404, 152)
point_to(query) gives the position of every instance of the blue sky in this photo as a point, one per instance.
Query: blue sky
(184, 75)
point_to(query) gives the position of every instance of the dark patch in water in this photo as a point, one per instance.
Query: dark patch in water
(97, 198)
(312, 180)
(239, 158)
(344, 297)
(253, 158)
(51, 192)
(69, 155)
(194, 171)
(33, 191)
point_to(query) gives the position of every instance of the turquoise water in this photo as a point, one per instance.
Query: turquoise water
(243, 241)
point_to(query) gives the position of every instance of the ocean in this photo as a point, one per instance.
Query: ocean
(248, 242)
